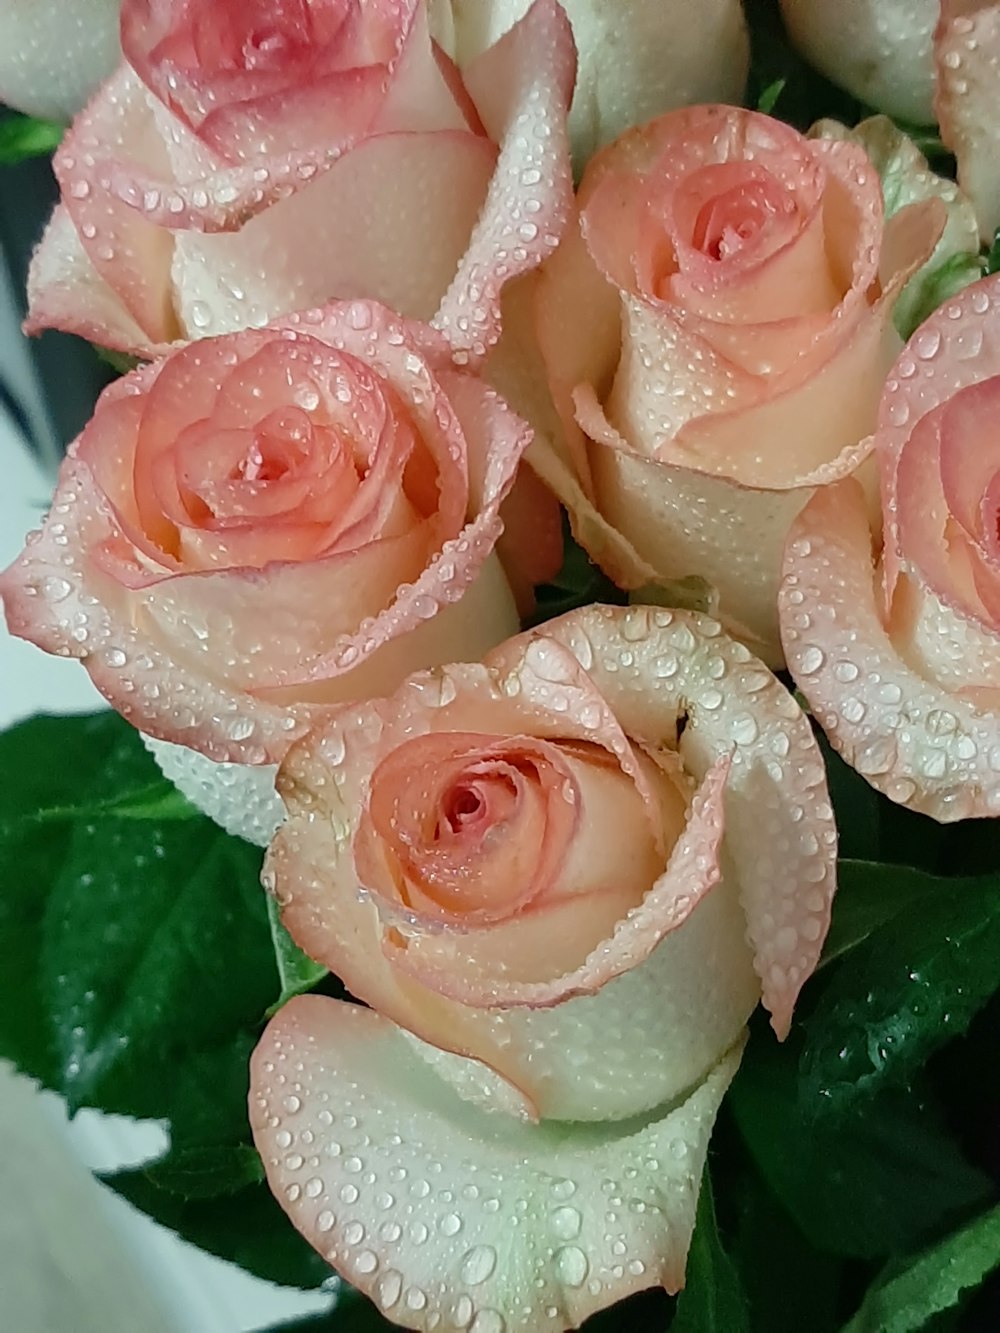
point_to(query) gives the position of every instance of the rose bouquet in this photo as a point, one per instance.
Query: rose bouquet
(549, 502)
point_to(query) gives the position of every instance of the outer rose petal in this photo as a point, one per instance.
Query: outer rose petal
(637, 58)
(958, 346)
(880, 50)
(493, 1224)
(967, 57)
(923, 746)
(54, 53)
(521, 87)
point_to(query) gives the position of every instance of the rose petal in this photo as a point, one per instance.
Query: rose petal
(53, 54)
(654, 665)
(126, 248)
(880, 50)
(344, 236)
(966, 58)
(521, 87)
(958, 346)
(923, 746)
(240, 797)
(66, 291)
(444, 1230)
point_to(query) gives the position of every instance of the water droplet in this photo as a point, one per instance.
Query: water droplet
(389, 1288)
(571, 1265)
(566, 1223)
(477, 1264)
(811, 660)
(488, 1321)
(450, 1224)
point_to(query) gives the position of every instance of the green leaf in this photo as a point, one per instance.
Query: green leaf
(713, 1299)
(767, 1243)
(22, 137)
(766, 101)
(903, 1301)
(879, 1181)
(247, 1228)
(915, 979)
(932, 287)
(296, 970)
(207, 1172)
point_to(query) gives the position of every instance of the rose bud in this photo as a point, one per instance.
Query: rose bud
(716, 332)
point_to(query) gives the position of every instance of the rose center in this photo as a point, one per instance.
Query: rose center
(728, 222)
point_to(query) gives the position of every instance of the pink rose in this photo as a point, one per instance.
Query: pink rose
(519, 866)
(263, 523)
(903, 669)
(250, 159)
(920, 60)
(716, 332)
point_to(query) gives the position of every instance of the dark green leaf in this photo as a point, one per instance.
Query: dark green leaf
(914, 981)
(713, 1299)
(993, 254)
(207, 1172)
(791, 1287)
(878, 1182)
(22, 137)
(296, 970)
(903, 1300)
(247, 1228)
(869, 896)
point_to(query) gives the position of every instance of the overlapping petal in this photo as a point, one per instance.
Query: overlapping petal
(446, 1214)
(703, 389)
(919, 742)
(637, 59)
(235, 654)
(967, 63)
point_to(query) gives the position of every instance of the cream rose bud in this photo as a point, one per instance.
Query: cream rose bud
(561, 879)
(54, 53)
(879, 50)
(636, 58)
(902, 665)
(920, 60)
(262, 524)
(716, 331)
(249, 159)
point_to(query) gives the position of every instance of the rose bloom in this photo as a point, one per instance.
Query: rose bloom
(920, 60)
(637, 58)
(561, 880)
(249, 159)
(263, 523)
(902, 665)
(716, 333)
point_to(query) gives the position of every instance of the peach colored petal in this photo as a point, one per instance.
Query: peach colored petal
(656, 665)
(942, 645)
(967, 66)
(375, 225)
(684, 521)
(958, 346)
(122, 243)
(475, 971)
(521, 87)
(923, 746)
(55, 595)
(66, 291)
(457, 1244)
